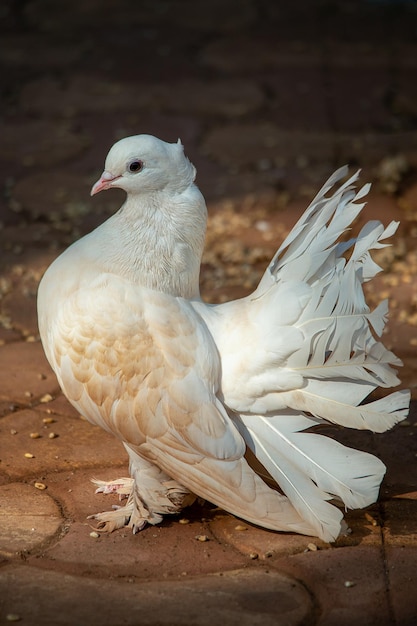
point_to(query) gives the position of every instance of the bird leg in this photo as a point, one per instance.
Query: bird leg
(150, 494)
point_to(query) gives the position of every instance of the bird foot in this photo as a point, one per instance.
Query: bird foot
(134, 514)
(108, 521)
(122, 516)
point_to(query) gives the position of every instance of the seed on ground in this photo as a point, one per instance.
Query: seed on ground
(46, 398)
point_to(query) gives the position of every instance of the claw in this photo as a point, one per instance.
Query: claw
(112, 520)
(136, 528)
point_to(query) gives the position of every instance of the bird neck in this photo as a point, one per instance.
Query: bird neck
(157, 241)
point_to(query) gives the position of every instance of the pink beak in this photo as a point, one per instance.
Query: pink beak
(104, 182)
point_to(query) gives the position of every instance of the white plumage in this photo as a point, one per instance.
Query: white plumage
(191, 388)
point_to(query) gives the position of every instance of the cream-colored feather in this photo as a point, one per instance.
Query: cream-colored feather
(187, 386)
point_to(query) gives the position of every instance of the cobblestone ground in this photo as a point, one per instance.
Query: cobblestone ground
(268, 98)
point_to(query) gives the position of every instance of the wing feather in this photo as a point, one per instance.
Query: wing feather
(162, 374)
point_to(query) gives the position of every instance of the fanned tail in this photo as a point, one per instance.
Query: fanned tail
(339, 361)
(303, 350)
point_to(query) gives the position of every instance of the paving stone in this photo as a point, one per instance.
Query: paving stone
(365, 148)
(401, 573)
(173, 48)
(221, 185)
(16, 52)
(238, 54)
(7, 407)
(20, 311)
(216, 16)
(29, 518)
(364, 22)
(233, 15)
(231, 98)
(27, 375)
(364, 54)
(288, 89)
(76, 444)
(404, 52)
(358, 100)
(50, 18)
(236, 598)
(144, 554)
(252, 540)
(8, 335)
(85, 93)
(349, 584)
(23, 248)
(400, 526)
(39, 143)
(54, 195)
(42, 13)
(242, 145)
(258, 542)
(25, 259)
(238, 146)
(399, 483)
(408, 202)
(90, 94)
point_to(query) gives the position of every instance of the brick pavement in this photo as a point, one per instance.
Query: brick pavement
(268, 98)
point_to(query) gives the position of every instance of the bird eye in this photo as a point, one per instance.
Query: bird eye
(135, 166)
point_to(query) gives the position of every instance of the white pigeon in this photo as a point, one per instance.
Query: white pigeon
(221, 401)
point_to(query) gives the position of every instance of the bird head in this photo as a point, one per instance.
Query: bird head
(143, 163)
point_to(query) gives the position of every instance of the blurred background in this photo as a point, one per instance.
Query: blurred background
(267, 97)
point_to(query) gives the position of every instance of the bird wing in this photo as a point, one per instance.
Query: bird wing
(144, 366)
(141, 363)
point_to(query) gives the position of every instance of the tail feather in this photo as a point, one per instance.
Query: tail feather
(312, 240)
(307, 498)
(312, 469)
(378, 416)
